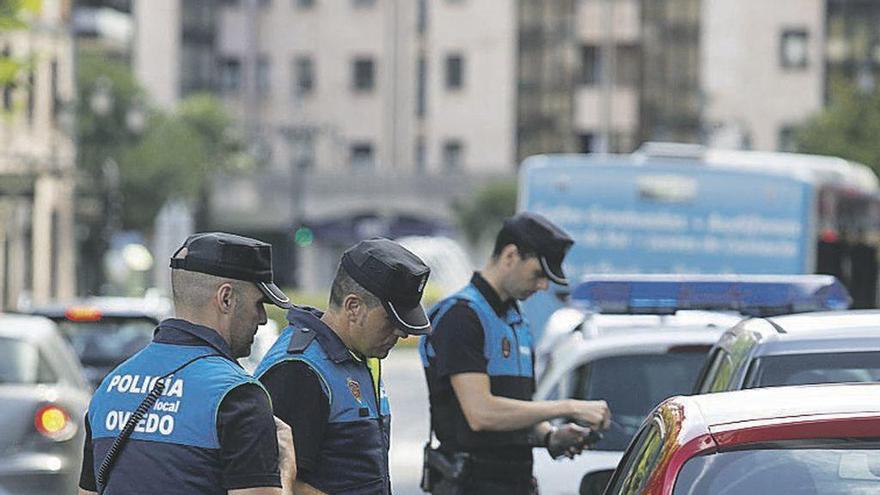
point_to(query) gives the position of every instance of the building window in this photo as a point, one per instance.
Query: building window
(264, 75)
(453, 154)
(56, 96)
(793, 49)
(421, 16)
(787, 139)
(585, 143)
(31, 95)
(363, 3)
(454, 71)
(304, 4)
(421, 157)
(421, 87)
(303, 76)
(363, 74)
(230, 74)
(362, 156)
(303, 158)
(9, 86)
(591, 65)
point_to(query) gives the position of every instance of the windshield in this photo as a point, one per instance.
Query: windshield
(20, 363)
(803, 369)
(633, 385)
(109, 341)
(854, 470)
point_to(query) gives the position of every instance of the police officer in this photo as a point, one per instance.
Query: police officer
(480, 373)
(209, 429)
(323, 372)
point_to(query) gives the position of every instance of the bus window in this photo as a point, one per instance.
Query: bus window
(847, 244)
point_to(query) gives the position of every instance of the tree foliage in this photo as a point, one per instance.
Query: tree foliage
(482, 214)
(176, 157)
(172, 156)
(15, 15)
(848, 127)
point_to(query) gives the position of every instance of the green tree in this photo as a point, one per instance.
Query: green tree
(133, 158)
(102, 129)
(15, 15)
(176, 157)
(848, 127)
(483, 213)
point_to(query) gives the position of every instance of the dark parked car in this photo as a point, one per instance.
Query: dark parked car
(105, 331)
(43, 398)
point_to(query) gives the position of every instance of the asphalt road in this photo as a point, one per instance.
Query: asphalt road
(405, 385)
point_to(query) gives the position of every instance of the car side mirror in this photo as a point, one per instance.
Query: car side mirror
(594, 483)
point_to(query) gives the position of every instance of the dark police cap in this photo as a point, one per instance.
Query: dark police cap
(231, 256)
(547, 240)
(394, 275)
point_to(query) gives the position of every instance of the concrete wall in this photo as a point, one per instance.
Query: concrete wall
(157, 45)
(482, 114)
(748, 92)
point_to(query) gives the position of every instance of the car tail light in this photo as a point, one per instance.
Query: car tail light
(82, 313)
(54, 423)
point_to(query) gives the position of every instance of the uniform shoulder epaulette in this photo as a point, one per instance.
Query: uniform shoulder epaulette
(300, 340)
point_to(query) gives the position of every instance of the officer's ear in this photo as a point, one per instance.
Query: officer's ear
(225, 298)
(354, 308)
(509, 255)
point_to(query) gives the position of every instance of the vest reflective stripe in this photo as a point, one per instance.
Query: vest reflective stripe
(176, 441)
(354, 452)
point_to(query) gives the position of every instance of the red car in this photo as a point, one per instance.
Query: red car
(805, 440)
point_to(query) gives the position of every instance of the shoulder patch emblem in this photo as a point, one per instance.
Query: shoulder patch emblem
(355, 388)
(505, 347)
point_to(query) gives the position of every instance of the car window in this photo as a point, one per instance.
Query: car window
(633, 385)
(854, 470)
(720, 377)
(21, 363)
(635, 469)
(109, 341)
(803, 369)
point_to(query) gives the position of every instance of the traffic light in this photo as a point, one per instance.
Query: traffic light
(304, 237)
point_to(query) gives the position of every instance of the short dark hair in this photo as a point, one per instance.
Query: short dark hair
(506, 237)
(344, 285)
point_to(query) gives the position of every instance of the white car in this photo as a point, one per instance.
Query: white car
(635, 359)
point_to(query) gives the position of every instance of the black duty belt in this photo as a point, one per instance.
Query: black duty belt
(505, 470)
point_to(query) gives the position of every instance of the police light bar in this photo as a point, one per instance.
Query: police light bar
(752, 295)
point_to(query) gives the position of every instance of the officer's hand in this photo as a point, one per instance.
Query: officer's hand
(568, 440)
(592, 413)
(286, 455)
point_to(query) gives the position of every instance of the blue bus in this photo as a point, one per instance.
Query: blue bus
(674, 208)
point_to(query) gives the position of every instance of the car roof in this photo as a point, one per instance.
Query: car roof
(602, 325)
(155, 308)
(785, 403)
(25, 327)
(777, 413)
(614, 335)
(833, 331)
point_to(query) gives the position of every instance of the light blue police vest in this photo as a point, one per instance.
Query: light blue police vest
(174, 448)
(354, 454)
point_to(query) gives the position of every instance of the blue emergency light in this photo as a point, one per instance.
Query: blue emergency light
(753, 295)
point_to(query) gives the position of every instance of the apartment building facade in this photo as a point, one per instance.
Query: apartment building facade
(37, 248)
(337, 95)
